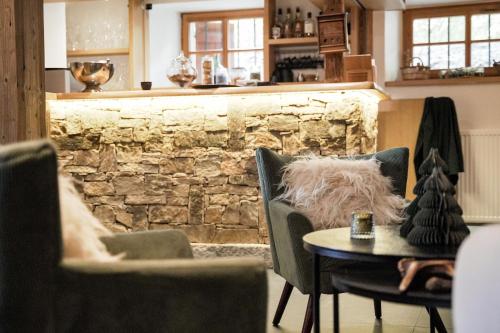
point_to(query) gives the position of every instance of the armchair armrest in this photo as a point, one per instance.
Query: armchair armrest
(289, 226)
(179, 295)
(163, 244)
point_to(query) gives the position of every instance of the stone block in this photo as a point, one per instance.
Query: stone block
(283, 123)
(217, 140)
(107, 158)
(125, 218)
(105, 214)
(85, 158)
(241, 190)
(177, 165)
(213, 214)
(249, 213)
(262, 139)
(207, 167)
(98, 188)
(248, 180)
(157, 184)
(231, 214)
(140, 134)
(128, 154)
(219, 199)
(139, 217)
(195, 205)
(115, 135)
(142, 199)
(129, 185)
(245, 236)
(168, 214)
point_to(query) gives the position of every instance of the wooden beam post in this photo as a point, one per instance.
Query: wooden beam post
(22, 71)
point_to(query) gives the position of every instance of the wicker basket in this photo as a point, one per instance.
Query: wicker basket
(418, 72)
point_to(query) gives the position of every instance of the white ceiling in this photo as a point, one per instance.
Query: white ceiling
(426, 3)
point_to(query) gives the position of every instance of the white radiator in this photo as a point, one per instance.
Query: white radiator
(478, 189)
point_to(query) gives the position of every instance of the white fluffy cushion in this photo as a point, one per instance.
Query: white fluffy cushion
(80, 229)
(327, 191)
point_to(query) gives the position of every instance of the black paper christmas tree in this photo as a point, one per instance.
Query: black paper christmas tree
(439, 218)
(433, 160)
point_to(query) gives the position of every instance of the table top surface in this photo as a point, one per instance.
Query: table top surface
(387, 246)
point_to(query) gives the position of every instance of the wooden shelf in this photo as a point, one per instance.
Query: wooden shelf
(97, 52)
(443, 82)
(372, 4)
(294, 41)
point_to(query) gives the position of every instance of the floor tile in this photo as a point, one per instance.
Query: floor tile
(356, 313)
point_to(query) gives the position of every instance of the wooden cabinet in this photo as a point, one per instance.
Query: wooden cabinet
(359, 25)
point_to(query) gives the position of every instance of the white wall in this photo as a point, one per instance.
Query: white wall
(478, 106)
(165, 31)
(54, 18)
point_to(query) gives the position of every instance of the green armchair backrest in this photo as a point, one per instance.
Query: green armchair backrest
(30, 236)
(394, 164)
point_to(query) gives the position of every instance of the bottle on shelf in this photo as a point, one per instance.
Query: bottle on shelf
(299, 24)
(221, 75)
(288, 25)
(277, 29)
(309, 26)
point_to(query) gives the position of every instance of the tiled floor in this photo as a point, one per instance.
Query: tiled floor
(356, 314)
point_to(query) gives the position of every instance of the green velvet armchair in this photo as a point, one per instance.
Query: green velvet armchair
(158, 287)
(287, 226)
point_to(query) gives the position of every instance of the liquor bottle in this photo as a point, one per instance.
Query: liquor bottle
(288, 25)
(299, 24)
(277, 29)
(309, 26)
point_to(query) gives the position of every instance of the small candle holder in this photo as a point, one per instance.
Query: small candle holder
(362, 226)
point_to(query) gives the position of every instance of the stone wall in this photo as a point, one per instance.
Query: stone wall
(189, 162)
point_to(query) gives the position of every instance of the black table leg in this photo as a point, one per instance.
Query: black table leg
(336, 317)
(431, 322)
(316, 291)
(436, 321)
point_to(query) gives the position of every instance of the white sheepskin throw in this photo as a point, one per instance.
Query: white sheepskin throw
(80, 229)
(327, 191)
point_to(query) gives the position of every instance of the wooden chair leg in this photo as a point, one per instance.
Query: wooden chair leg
(377, 304)
(308, 319)
(285, 296)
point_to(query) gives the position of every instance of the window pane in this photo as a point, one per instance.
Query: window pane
(246, 33)
(420, 31)
(457, 28)
(495, 26)
(480, 54)
(439, 29)
(480, 28)
(457, 55)
(439, 56)
(421, 52)
(495, 52)
(205, 36)
(247, 59)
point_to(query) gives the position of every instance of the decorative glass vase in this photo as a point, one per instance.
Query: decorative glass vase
(181, 71)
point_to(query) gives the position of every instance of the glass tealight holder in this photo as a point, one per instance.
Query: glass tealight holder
(362, 225)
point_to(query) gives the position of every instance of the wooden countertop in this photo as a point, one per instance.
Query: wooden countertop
(224, 91)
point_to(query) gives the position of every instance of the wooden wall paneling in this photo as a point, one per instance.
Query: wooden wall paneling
(22, 65)
(398, 124)
(269, 56)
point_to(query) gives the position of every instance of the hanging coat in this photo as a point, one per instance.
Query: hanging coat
(439, 129)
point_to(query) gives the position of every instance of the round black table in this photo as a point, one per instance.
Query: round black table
(375, 272)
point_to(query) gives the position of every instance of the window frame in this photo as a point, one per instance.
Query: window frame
(223, 16)
(432, 12)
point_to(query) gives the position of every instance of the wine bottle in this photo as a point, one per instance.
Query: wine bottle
(309, 26)
(277, 29)
(299, 24)
(288, 25)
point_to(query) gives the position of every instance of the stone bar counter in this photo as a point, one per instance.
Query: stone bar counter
(185, 158)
